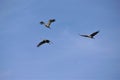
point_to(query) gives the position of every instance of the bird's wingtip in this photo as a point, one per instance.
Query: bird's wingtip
(98, 30)
(37, 46)
(41, 22)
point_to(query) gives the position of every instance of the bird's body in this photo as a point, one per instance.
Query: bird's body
(43, 42)
(47, 24)
(91, 35)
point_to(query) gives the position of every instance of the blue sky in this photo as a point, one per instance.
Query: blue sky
(70, 57)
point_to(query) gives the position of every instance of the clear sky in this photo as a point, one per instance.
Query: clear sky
(70, 57)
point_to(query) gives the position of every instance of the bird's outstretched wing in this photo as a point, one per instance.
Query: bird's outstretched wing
(84, 35)
(93, 34)
(42, 42)
(50, 21)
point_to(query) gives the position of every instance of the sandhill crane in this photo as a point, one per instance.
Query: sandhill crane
(91, 35)
(47, 24)
(43, 42)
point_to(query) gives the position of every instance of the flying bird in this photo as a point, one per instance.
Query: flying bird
(43, 42)
(47, 24)
(91, 35)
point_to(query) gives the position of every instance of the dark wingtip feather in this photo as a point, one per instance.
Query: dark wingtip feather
(52, 20)
(41, 22)
(98, 31)
(38, 45)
